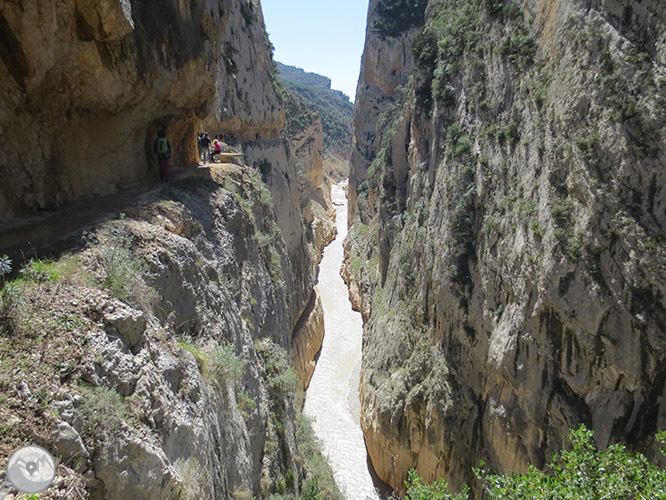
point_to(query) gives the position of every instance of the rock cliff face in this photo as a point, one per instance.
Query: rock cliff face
(507, 250)
(88, 84)
(306, 230)
(183, 330)
(385, 65)
(183, 386)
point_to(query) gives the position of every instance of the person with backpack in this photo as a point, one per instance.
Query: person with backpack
(200, 136)
(205, 148)
(162, 148)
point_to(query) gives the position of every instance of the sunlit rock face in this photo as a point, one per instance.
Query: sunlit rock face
(508, 243)
(87, 84)
(386, 64)
(229, 261)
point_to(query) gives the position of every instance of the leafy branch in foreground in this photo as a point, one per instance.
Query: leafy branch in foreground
(417, 489)
(584, 473)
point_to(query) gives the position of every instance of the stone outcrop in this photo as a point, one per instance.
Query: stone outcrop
(307, 339)
(385, 65)
(86, 86)
(508, 243)
(307, 150)
(180, 381)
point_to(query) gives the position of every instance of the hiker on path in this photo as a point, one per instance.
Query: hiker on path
(205, 148)
(199, 147)
(162, 148)
(217, 148)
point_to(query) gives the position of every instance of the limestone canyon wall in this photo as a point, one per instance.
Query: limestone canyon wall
(88, 84)
(194, 358)
(507, 250)
(385, 65)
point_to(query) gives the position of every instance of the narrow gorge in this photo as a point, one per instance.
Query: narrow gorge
(503, 243)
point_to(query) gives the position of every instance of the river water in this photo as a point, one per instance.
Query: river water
(332, 398)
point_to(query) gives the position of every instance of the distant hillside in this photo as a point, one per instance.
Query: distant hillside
(299, 76)
(332, 106)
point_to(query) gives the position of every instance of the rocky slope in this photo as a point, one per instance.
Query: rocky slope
(162, 357)
(507, 250)
(332, 107)
(86, 85)
(164, 371)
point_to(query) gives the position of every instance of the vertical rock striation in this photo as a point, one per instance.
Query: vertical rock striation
(385, 65)
(507, 248)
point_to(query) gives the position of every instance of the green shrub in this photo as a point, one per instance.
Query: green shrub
(424, 48)
(187, 344)
(589, 145)
(537, 229)
(355, 267)
(454, 25)
(417, 489)
(123, 271)
(40, 271)
(246, 404)
(583, 473)
(562, 212)
(102, 410)
(320, 483)
(12, 294)
(11, 298)
(226, 365)
(395, 17)
(519, 49)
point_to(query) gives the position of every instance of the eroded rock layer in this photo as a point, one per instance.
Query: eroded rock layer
(86, 86)
(507, 250)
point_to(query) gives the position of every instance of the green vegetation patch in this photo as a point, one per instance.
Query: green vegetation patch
(395, 17)
(122, 271)
(319, 484)
(102, 411)
(305, 103)
(582, 473)
(226, 365)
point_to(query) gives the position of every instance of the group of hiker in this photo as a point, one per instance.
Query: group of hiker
(207, 150)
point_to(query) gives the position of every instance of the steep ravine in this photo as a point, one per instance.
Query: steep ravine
(332, 397)
(507, 246)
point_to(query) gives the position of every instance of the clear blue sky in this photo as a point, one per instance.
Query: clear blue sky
(319, 36)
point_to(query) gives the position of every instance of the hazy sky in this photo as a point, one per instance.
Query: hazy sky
(319, 36)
